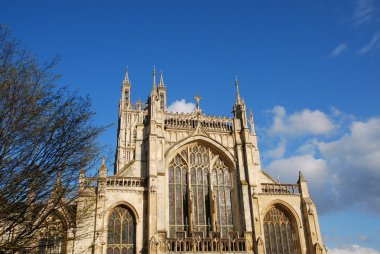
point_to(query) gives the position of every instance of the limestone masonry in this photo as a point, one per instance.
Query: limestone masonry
(190, 183)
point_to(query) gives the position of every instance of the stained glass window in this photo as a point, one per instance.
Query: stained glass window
(199, 192)
(121, 232)
(280, 236)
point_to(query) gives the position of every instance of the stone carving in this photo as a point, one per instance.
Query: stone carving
(213, 210)
(318, 249)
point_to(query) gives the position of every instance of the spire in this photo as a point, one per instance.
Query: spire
(238, 100)
(126, 78)
(154, 89)
(162, 84)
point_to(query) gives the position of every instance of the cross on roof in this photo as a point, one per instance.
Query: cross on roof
(197, 99)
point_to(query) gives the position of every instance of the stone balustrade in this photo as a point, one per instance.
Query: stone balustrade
(274, 188)
(125, 182)
(191, 121)
(207, 245)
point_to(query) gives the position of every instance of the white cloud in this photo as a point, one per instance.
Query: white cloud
(373, 44)
(364, 12)
(277, 152)
(355, 160)
(313, 169)
(181, 106)
(353, 249)
(338, 50)
(300, 123)
(343, 169)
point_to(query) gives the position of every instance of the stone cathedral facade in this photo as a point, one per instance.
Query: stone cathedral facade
(190, 183)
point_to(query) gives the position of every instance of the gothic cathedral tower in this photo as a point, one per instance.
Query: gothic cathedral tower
(191, 183)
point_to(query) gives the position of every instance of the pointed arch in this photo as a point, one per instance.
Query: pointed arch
(200, 179)
(121, 231)
(206, 141)
(128, 205)
(287, 207)
(281, 228)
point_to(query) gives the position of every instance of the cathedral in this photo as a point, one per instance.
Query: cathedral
(190, 183)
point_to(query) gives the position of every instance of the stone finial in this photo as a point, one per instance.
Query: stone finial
(126, 78)
(154, 77)
(238, 99)
(103, 168)
(301, 177)
(162, 84)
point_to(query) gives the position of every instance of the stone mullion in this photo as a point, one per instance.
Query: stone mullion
(188, 175)
(269, 238)
(276, 237)
(218, 197)
(203, 197)
(197, 195)
(120, 232)
(225, 199)
(184, 187)
(287, 237)
(282, 239)
(189, 193)
(175, 197)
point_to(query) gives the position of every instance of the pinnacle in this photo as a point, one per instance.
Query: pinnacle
(162, 84)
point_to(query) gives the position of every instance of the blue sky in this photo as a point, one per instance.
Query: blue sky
(309, 70)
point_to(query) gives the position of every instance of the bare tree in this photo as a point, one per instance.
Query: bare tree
(47, 135)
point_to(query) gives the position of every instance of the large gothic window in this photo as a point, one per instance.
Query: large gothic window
(121, 232)
(199, 192)
(280, 234)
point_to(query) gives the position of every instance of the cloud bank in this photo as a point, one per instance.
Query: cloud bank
(353, 249)
(304, 122)
(343, 167)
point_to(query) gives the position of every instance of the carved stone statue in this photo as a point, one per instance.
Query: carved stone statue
(191, 211)
(213, 210)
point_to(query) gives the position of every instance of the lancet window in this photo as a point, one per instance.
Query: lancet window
(199, 192)
(280, 234)
(121, 232)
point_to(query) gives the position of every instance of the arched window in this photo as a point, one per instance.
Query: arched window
(199, 192)
(280, 233)
(121, 232)
(52, 236)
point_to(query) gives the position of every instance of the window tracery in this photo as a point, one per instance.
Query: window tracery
(121, 232)
(280, 234)
(199, 192)
(52, 239)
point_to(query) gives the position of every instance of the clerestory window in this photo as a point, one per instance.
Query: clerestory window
(200, 186)
(280, 234)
